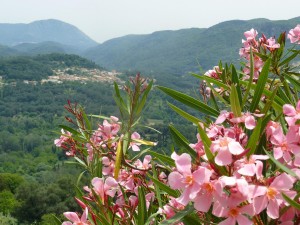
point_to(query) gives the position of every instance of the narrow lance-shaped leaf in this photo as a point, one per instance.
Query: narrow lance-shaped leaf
(281, 166)
(190, 101)
(211, 80)
(156, 187)
(288, 59)
(246, 94)
(235, 80)
(164, 158)
(142, 210)
(277, 103)
(178, 216)
(181, 141)
(142, 102)
(165, 188)
(184, 114)
(118, 162)
(254, 138)
(234, 102)
(292, 202)
(262, 79)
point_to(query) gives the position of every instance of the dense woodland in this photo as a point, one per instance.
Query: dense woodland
(35, 177)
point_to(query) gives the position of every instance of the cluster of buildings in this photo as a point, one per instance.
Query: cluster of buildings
(83, 75)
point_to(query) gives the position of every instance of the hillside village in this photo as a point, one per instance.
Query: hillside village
(82, 75)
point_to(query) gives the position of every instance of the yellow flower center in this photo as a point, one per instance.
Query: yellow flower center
(224, 143)
(208, 187)
(189, 179)
(271, 193)
(234, 212)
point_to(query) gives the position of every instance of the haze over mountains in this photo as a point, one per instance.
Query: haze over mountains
(175, 52)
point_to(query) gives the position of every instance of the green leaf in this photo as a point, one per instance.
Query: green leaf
(178, 216)
(118, 162)
(288, 59)
(156, 186)
(277, 103)
(284, 97)
(71, 130)
(254, 138)
(80, 176)
(211, 80)
(55, 220)
(292, 202)
(86, 120)
(235, 102)
(181, 141)
(80, 161)
(184, 114)
(190, 101)
(262, 79)
(142, 210)
(164, 158)
(165, 188)
(235, 80)
(281, 166)
(293, 81)
(142, 102)
(246, 95)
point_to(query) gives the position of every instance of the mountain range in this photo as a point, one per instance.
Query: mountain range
(173, 52)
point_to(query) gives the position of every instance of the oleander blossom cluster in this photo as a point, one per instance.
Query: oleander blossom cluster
(243, 169)
(243, 191)
(108, 187)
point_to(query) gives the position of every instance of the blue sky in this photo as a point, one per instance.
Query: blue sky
(106, 19)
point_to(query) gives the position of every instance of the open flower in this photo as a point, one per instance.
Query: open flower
(225, 147)
(294, 35)
(72, 216)
(270, 196)
(186, 180)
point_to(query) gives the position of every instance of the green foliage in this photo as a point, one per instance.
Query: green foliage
(7, 220)
(41, 66)
(8, 203)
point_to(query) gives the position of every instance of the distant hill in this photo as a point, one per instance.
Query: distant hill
(181, 51)
(44, 31)
(7, 51)
(41, 66)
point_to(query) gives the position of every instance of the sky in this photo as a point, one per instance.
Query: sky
(105, 19)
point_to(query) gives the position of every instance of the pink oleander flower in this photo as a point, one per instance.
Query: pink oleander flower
(225, 147)
(292, 113)
(252, 166)
(170, 209)
(248, 119)
(294, 35)
(186, 180)
(108, 130)
(258, 65)
(251, 34)
(205, 196)
(105, 188)
(146, 164)
(271, 44)
(214, 73)
(108, 166)
(234, 214)
(270, 196)
(75, 218)
(134, 145)
(63, 138)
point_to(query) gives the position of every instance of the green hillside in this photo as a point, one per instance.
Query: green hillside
(40, 66)
(178, 52)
